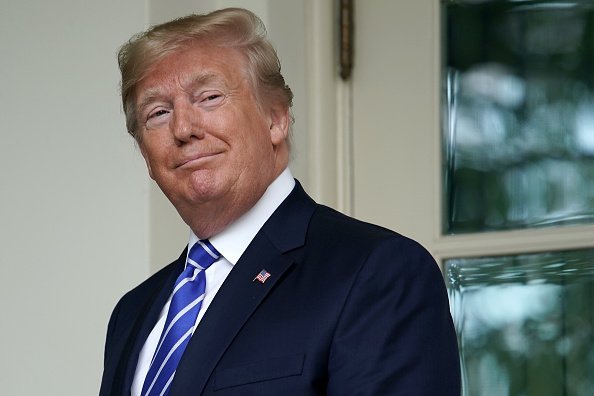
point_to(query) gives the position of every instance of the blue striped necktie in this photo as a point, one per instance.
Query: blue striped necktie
(186, 301)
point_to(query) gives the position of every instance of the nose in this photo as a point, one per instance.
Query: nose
(186, 124)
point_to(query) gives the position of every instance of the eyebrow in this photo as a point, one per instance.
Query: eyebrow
(204, 78)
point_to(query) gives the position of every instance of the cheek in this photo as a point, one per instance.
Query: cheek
(156, 163)
(253, 152)
(156, 146)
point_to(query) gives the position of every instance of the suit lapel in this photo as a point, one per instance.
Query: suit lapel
(240, 295)
(146, 318)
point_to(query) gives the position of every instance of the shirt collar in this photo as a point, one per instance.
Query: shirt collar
(234, 239)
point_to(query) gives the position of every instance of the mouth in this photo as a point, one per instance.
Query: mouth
(197, 160)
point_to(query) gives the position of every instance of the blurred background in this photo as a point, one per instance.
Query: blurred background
(465, 124)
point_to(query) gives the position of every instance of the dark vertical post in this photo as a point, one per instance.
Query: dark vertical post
(346, 38)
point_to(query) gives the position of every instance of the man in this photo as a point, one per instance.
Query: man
(275, 295)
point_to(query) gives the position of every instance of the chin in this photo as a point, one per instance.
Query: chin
(204, 189)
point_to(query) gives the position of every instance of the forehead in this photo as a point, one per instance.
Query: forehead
(192, 66)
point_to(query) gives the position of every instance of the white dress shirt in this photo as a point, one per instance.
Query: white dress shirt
(231, 243)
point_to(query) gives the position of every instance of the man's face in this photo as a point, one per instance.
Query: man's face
(203, 136)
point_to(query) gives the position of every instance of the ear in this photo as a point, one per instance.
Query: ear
(146, 161)
(279, 124)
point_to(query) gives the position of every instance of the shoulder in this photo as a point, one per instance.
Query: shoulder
(335, 230)
(152, 282)
(371, 254)
(145, 291)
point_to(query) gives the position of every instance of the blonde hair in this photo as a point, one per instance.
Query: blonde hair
(231, 27)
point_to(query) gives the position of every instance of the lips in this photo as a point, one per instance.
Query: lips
(196, 159)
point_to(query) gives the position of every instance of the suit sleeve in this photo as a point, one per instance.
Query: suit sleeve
(110, 329)
(395, 335)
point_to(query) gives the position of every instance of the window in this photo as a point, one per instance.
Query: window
(518, 168)
(519, 150)
(525, 322)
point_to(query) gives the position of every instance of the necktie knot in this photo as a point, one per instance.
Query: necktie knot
(203, 254)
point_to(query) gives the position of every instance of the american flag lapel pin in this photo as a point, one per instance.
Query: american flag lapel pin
(262, 276)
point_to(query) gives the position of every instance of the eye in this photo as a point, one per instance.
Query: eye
(210, 99)
(213, 97)
(157, 113)
(156, 118)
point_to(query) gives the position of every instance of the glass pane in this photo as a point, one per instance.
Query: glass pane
(525, 323)
(518, 114)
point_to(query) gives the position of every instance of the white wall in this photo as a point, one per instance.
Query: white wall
(396, 117)
(73, 200)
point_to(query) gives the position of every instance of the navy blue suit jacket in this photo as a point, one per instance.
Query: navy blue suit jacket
(349, 309)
